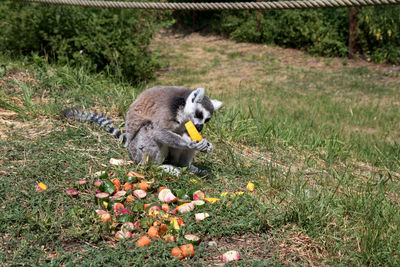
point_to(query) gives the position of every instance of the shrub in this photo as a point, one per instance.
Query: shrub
(111, 40)
(380, 33)
(318, 31)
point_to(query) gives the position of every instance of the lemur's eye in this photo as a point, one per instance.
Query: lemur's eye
(199, 114)
(207, 120)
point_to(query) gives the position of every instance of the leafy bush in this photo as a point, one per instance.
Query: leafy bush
(111, 40)
(318, 31)
(380, 33)
(310, 30)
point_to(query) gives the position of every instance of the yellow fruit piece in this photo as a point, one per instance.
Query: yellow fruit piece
(175, 224)
(153, 213)
(224, 194)
(211, 200)
(250, 187)
(42, 186)
(194, 134)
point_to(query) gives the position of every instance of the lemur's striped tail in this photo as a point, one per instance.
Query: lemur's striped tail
(100, 119)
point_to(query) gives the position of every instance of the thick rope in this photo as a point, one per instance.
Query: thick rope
(221, 6)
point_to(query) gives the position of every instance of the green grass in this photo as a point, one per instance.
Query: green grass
(322, 148)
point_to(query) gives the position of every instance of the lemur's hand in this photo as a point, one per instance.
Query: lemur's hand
(204, 146)
(193, 144)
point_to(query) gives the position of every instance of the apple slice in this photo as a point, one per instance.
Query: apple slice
(201, 216)
(104, 216)
(140, 193)
(72, 192)
(231, 255)
(198, 195)
(120, 235)
(185, 208)
(166, 195)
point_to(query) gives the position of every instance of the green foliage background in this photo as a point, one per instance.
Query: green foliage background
(116, 41)
(111, 40)
(318, 31)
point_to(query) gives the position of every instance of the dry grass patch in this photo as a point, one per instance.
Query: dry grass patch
(12, 78)
(199, 51)
(33, 129)
(287, 246)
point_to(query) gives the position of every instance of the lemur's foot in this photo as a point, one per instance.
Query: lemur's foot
(177, 171)
(171, 169)
(197, 171)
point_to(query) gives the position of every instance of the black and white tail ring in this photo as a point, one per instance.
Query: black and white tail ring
(100, 119)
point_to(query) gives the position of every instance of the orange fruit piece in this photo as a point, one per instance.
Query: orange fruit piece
(144, 186)
(127, 186)
(169, 238)
(161, 188)
(134, 174)
(116, 183)
(165, 207)
(145, 206)
(177, 252)
(153, 232)
(187, 250)
(163, 229)
(143, 241)
(130, 199)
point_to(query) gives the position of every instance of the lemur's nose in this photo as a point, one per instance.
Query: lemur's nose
(199, 127)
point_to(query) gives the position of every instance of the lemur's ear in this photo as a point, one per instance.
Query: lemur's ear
(196, 96)
(216, 103)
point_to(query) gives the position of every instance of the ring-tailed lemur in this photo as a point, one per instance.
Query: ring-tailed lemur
(155, 126)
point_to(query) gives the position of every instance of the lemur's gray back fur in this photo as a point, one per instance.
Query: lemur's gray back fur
(155, 125)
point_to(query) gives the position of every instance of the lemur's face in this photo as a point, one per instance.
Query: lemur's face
(201, 116)
(199, 108)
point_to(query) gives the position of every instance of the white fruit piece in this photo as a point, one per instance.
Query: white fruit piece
(201, 216)
(231, 255)
(166, 195)
(185, 208)
(140, 193)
